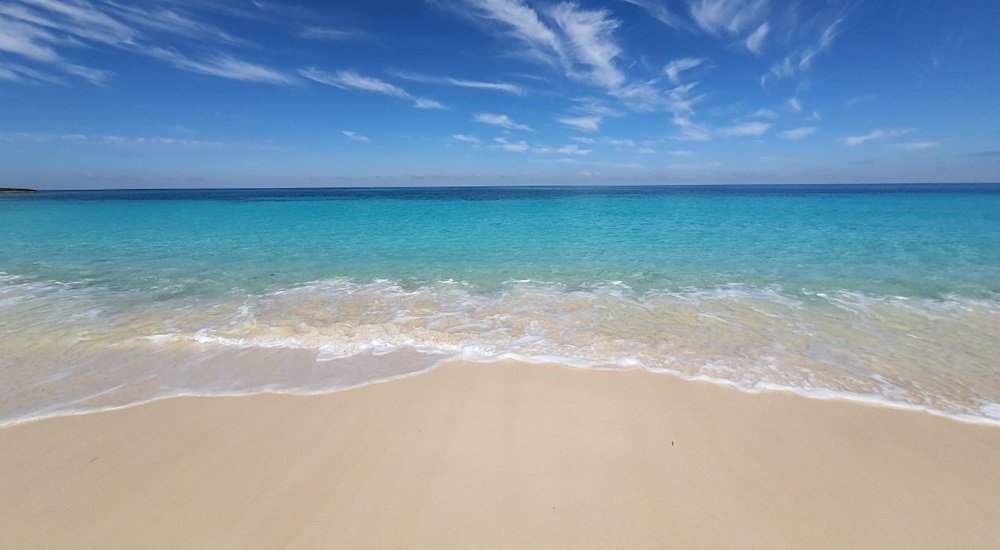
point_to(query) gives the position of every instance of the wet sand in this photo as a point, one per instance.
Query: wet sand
(502, 455)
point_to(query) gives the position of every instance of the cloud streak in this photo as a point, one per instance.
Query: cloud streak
(502, 121)
(677, 66)
(504, 87)
(504, 145)
(798, 133)
(355, 137)
(748, 129)
(583, 123)
(577, 41)
(224, 66)
(350, 80)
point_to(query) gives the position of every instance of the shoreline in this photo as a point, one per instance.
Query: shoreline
(815, 394)
(502, 455)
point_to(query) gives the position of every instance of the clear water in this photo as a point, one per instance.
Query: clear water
(881, 293)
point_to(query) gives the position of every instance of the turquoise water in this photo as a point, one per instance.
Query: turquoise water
(880, 293)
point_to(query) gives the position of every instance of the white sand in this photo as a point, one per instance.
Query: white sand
(502, 456)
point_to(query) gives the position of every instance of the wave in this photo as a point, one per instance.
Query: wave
(79, 347)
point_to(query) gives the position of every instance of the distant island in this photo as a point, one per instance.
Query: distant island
(16, 190)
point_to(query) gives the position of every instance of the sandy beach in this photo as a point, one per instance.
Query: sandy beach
(502, 455)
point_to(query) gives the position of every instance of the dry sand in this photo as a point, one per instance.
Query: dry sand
(502, 456)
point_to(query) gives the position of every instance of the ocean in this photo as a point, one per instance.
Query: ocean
(886, 294)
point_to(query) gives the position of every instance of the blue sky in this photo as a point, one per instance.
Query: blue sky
(179, 93)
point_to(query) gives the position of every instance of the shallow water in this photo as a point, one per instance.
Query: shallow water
(879, 293)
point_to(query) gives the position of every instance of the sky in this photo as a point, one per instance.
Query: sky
(252, 93)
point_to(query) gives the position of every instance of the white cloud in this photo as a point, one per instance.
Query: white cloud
(824, 43)
(421, 103)
(798, 133)
(504, 145)
(919, 145)
(492, 86)
(765, 113)
(349, 80)
(467, 139)
(225, 66)
(26, 40)
(590, 35)
(860, 99)
(125, 141)
(659, 11)
(627, 143)
(584, 123)
(586, 140)
(733, 16)
(745, 129)
(795, 105)
(325, 33)
(802, 59)
(523, 23)
(573, 149)
(355, 137)
(504, 87)
(755, 42)
(681, 104)
(502, 121)
(577, 41)
(689, 130)
(42, 31)
(858, 140)
(8, 74)
(677, 66)
(682, 153)
(640, 96)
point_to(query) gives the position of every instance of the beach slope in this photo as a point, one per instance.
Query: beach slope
(502, 455)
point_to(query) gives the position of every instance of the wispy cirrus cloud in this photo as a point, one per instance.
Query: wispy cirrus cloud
(573, 149)
(659, 11)
(801, 59)
(755, 42)
(491, 86)
(502, 121)
(919, 145)
(857, 100)
(590, 123)
(732, 16)
(47, 33)
(747, 129)
(224, 66)
(350, 80)
(677, 66)
(504, 87)
(577, 41)
(874, 135)
(351, 135)
(862, 139)
(524, 24)
(504, 145)
(798, 133)
(591, 36)
(333, 34)
(115, 140)
(465, 138)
